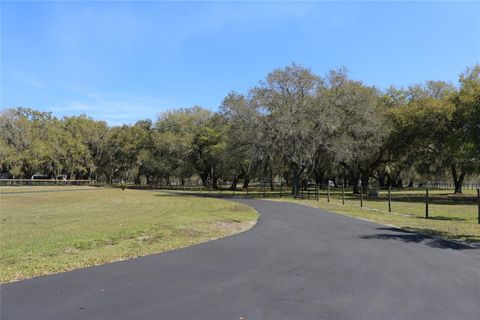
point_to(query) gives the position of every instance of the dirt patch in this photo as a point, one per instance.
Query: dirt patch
(235, 226)
(239, 208)
(144, 238)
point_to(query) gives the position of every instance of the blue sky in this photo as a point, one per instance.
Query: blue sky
(125, 61)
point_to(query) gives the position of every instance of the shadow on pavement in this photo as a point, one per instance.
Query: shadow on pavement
(409, 236)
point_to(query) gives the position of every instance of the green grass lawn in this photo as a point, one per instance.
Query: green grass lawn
(450, 216)
(48, 232)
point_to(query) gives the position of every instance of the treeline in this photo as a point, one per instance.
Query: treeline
(295, 126)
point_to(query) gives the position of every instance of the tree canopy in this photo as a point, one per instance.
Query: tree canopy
(294, 126)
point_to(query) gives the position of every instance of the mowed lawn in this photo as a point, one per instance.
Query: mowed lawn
(48, 232)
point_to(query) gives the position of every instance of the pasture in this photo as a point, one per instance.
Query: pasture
(52, 229)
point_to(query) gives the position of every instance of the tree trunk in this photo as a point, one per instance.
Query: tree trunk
(355, 182)
(399, 183)
(297, 184)
(459, 183)
(246, 182)
(319, 176)
(356, 188)
(381, 180)
(365, 181)
(457, 179)
(271, 178)
(137, 179)
(389, 181)
(304, 184)
(204, 177)
(234, 183)
(286, 177)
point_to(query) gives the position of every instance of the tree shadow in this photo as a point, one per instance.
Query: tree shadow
(226, 194)
(445, 218)
(168, 193)
(424, 236)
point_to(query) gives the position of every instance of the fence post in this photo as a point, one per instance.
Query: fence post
(478, 203)
(247, 191)
(361, 196)
(211, 175)
(264, 189)
(308, 192)
(328, 192)
(281, 189)
(294, 190)
(318, 192)
(343, 193)
(426, 204)
(389, 199)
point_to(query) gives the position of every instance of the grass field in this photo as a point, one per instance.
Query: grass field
(450, 216)
(48, 232)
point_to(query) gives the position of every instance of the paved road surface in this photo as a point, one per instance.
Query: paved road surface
(296, 263)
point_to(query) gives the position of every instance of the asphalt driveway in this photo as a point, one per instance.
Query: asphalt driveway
(296, 263)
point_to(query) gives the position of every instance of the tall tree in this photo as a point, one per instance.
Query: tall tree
(463, 130)
(286, 98)
(243, 137)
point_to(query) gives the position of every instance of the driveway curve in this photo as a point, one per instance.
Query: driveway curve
(296, 263)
